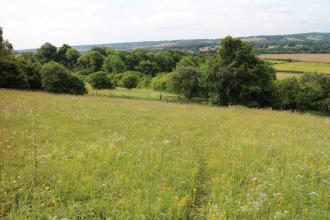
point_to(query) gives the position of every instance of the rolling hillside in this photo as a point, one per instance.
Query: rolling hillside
(67, 157)
(274, 44)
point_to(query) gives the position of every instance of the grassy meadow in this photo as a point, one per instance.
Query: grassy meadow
(301, 57)
(309, 67)
(68, 157)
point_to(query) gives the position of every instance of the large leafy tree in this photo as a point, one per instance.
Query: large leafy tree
(47, 52)
(56, 79)
(114, 64)
(148, 67)
(5, 46)
(71, 57)
(92, 60)
(185, 80)
(61, 54)
(240, 78)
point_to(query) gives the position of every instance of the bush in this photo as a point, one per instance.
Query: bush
(287, 91)
(314, 93)
(11, 75)
(162, 82)
(100, 80)
(54, 78)
(114, 64)
(130, 79)
(185, 81)
(145, 82)
(32, 71)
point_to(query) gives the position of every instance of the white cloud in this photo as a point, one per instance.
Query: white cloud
(28, 24)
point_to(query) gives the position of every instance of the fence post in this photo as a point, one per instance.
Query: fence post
(160, 97)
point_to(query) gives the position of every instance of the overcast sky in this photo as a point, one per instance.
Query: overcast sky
(30, 23)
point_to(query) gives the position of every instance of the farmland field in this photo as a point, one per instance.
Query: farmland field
(301, 57)
(309, 67)
(96, 158)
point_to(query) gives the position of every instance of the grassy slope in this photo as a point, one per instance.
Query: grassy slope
(127, 159)
(303, 67)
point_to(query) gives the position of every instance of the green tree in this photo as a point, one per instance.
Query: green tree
(92, 60)
(165, 61)
(56, 79)
(185, 80)
(240, 78)
(11, 75)
(148, 67)
(6, 47)
(47, 52)
(61, 54)
(114, 64)
(130, 80)
(71, 56)
(287, 91)
(100, 80)
(31, 69)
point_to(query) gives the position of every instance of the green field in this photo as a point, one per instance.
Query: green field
(67, 157)
(310, 67)
(145, 94)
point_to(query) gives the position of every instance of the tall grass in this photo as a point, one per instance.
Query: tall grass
(105, 158)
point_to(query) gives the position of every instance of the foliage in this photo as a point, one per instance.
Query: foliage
(162, 82)
(287, 91)
(61, 58)
(32, 70)
(148, 67)
(185, 80)
(114, 64)
(6, 47)
(92, 61)
(54, 78)
(240, 78)
(71, 58)
(314, 94)
(47, 52)
(100, 80)
(145, 82)
(11, 75)
(130, 79)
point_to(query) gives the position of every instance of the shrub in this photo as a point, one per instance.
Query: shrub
(185, 80)
(11, 75)
(314, 93)
(145, 82)
(287, 91)
(54, 78)
(114, 64)
(130, 79)
(32, 71)
(162, 82)
(100, 80)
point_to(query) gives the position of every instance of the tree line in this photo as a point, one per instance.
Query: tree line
(232, 76)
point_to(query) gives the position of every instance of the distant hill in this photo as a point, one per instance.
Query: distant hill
(270, 44)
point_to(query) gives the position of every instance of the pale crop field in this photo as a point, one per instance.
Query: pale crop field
(301, 57)
(309, 67)
(67, 157)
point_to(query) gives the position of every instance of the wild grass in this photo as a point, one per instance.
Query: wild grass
(309, 67)
(287, 75)
(111, 158)
(145, 94)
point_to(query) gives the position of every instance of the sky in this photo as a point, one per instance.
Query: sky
(30, 23)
